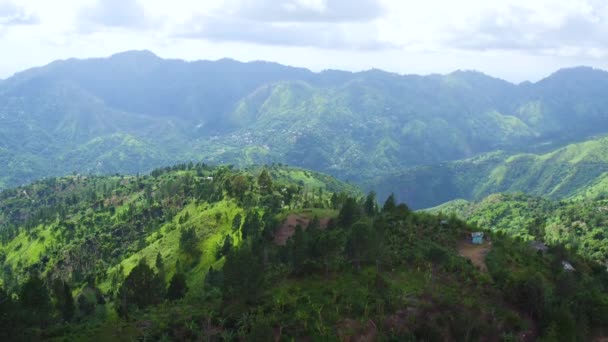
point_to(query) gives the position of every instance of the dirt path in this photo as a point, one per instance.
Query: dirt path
(475, 253)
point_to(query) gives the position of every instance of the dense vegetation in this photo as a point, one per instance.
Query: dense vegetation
(574, 171)
(579, 225)
(134, 111)
(194, 252)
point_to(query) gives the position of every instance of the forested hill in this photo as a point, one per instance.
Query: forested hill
(134, 111)
(574, 171)
(194, 252)
(579, 224)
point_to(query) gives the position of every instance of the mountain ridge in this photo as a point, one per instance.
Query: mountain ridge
(355, 125)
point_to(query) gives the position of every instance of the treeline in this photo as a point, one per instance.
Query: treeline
(354, 269)
(87, 223)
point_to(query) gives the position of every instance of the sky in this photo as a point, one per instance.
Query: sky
(516, 40)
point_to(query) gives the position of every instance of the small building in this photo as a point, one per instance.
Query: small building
(568, 266)
(539, 246)
(477, 238)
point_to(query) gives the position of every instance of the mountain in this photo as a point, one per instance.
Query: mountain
(574, 171)
(134, 111)
(195, 252)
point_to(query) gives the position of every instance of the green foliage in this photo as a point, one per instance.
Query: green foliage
(574, 171)
(579, 225)
(371, 207)
(349, 213)
(188, 242)
(141, 288)
(34, 297)
(75, 115)
(86, 306)
(396, 274)
(390, 204)
(243, 274)
(265, 182)
(177, 287)
(64, 300)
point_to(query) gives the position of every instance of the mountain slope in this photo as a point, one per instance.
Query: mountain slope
(572, 171)
(190, 252)
(579, 225)
(69, 115)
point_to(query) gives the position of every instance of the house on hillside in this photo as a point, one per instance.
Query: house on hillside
(539, 246)
(477, 238)
(568, 266)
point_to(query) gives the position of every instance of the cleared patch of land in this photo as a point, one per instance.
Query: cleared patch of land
(288, 227)
(476, 253)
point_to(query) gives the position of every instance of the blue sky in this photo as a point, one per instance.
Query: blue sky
(513, 39)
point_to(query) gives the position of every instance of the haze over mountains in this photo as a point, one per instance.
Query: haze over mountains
(192, 251)
(135, 111)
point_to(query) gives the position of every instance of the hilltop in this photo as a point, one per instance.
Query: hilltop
(191, 252)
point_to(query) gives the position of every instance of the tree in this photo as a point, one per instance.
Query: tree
(85, 305)
(359, 245)
(334, 201)
(265, 182)
(214, 279)
(226, 247)
(236, 222)
(10, 318)
(34, 297)
(349, 213)
(243, 273)
(177, 287)
(64, 301)
(370, 204)
(141, 288)
(159, 262)
(188, 242)
(238, 186)
(251, 226)
(390, 204)
(160, 265)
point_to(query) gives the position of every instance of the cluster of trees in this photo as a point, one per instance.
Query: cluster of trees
(580, 225)
(144, 287)
(360, 259)
(567, 304)
(108, 218)
(40, 304)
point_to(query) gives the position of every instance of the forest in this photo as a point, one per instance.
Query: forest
(194, 252)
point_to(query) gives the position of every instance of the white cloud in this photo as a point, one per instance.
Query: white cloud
(513, 39)
(13, 14)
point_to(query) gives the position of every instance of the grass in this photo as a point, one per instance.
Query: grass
(25, 250)
(166, 241)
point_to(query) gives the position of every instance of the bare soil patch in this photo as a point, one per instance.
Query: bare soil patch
(288, 227)
(476, 253)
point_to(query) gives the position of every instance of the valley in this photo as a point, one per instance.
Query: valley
(144, 198)
(76, 116)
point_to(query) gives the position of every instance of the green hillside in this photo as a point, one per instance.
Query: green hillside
(579, 225)
(134, 111)
(577, 170)
(195, 252)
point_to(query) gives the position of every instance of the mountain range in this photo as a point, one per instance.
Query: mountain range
(134, 111)
(293, 249)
